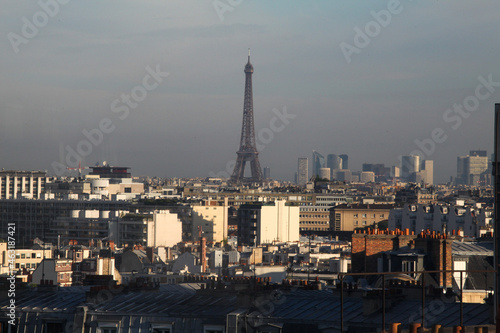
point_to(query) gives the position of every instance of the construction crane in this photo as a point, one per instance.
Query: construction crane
(80, 168)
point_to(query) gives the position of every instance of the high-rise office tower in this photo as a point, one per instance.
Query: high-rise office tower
(318, 162)
(334, 162)
(345, 161)
(324, 173)
(428, 171)
(410, 164)
(267, 173)
(470, 168)
(302, 171)
(248, 149)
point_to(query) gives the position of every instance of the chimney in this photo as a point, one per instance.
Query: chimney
(150, 253)
(203, 254)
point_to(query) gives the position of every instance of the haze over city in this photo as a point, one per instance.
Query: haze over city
(369, 95)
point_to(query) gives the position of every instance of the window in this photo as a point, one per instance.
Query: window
(381, 215)
(109, 330)
(355, 222)
(364, 215)
(33, 255)
(355, 215)
(161, 328)
(364, 222)
(23, 255)
(38, 255)
(53, 327)
(213, 329)
(128, 190)
(108, 327)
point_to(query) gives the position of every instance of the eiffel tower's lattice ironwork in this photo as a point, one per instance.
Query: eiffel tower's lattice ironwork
(248, 150)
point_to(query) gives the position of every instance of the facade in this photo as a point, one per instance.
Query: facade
(267, 223)
(267, 173)
(302, 171)
(23, 184)
(318, 162)
(343, 175)
(38, 218)
(314, 218)
(409, 166)
(213, 221)
(345, 161)
(159, 228)
(470, 168)
(471, 221)
(324, 173)
(334, 162)
(85, 226)
(348, 217)
(54, 272)
(367, 177)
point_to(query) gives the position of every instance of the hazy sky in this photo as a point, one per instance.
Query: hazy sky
(365, 78)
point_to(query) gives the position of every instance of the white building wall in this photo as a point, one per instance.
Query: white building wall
(213, 222)
(278, 223)
(440, 218)
(165, 229)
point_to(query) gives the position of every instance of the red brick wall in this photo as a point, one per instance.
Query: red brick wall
(375, 244)
(358, 253)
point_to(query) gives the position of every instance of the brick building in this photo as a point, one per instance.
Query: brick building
(429, 251)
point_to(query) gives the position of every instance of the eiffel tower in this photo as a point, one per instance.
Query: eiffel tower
(248, 151)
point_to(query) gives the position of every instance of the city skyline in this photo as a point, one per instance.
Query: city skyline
(417, 81)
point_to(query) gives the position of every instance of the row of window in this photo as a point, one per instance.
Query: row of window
(27, 265)
(28, 256)
(313, 215)
(362, 223)
(373, 215)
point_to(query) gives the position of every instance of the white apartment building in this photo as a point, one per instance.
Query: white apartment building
(267, 223)
(22, 184)
(161, 228)
(213, 221)
(473, 221)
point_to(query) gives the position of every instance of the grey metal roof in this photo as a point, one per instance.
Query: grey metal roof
(65, 299)
(472, 248)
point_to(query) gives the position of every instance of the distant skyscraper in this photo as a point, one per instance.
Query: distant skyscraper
(302, 171)
(395, 171)
(409, 166)
(345, 161)
(343, 175)
(324, 173)
(428, 170)
(318, 162)
(470, 168)
(267, 173)
(334, 162)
